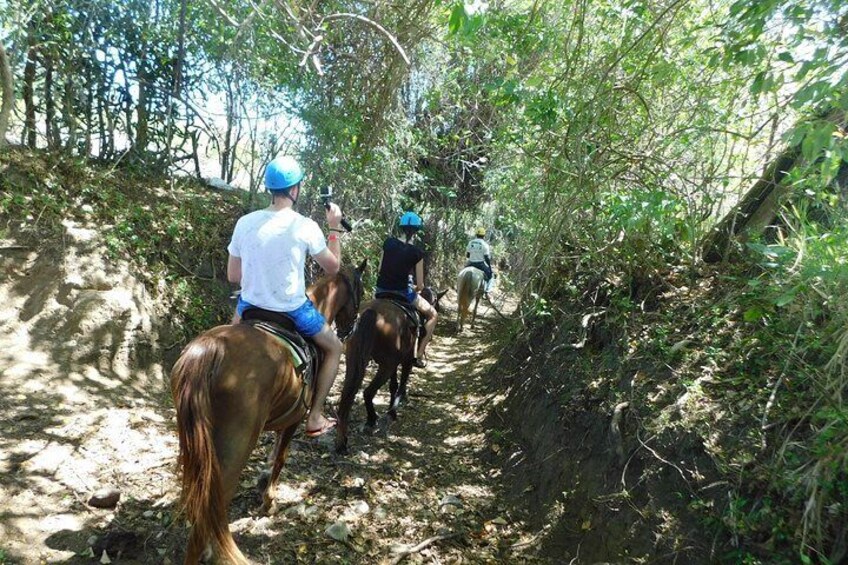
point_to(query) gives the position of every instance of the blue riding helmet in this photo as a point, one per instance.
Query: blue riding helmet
(282, 173)
(411, 220)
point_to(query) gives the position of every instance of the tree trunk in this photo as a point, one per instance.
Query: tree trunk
(194, 150)
(89, 107)
(125, 103)
(754, 211)
(29, 81)
(69, 118)
(101, 113)
(228, 135)
(50, 128)
(8, 94)
(759, 207)
(176, 85)
(141, 109)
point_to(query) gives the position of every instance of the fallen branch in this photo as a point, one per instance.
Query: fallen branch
(498, 312)
(423, 545)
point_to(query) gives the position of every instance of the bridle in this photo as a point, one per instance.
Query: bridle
(354, 289)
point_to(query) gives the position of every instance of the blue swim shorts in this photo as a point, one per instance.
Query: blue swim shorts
(307, 320)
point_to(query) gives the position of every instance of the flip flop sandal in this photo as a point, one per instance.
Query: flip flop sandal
(331, 424)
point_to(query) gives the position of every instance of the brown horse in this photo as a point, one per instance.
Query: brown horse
(385, 334)
(229, 384)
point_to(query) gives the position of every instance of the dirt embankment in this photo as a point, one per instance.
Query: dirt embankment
(618, 445)
(81, 393)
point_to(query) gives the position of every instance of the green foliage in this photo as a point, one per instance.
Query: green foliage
(177, 244)
(598, 142)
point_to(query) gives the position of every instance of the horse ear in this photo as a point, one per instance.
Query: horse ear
(441, 294)
(361, 267)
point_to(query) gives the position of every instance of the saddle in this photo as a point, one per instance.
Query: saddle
(412, 313)
(305, 354)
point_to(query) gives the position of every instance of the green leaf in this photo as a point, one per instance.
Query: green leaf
(817, 139)
(753, 314)
(786, 298)
(757, 85)
(457, 18)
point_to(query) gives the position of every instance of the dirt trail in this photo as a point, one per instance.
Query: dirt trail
(83, 405)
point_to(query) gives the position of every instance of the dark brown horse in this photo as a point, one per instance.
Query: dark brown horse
(385, 334)
(229, 384)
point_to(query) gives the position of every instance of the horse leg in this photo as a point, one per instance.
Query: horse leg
(474, 315)
(405, 371)
(394, 400)
(383, 374)
(277, 460)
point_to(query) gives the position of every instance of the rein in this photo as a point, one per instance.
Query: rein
(352, 288)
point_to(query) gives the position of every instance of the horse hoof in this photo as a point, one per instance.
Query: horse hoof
(268, 508)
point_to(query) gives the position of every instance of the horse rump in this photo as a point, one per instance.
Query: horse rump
(202, 496)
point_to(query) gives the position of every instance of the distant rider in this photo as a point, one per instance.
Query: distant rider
(267, 257)
(480, 256)
(400, 259)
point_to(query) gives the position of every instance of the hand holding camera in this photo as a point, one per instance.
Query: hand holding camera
(334, 213)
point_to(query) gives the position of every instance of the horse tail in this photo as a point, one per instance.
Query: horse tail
(202, 497)
(358, 353)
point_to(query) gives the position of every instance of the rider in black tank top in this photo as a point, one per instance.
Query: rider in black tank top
(400, 260)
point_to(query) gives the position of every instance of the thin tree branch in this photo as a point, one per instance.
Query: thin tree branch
(373, 24)
(427, 542)
(225, 15)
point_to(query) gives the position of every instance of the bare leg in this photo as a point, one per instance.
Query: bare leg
(430, 325)
(332, 347)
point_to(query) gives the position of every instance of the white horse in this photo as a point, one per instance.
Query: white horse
(469, 286)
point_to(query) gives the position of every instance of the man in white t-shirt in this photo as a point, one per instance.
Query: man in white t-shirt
(267, 257)
(478, 254)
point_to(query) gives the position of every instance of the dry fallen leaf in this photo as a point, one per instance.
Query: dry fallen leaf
(339, 531)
